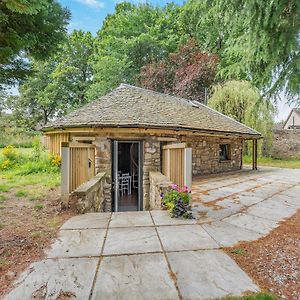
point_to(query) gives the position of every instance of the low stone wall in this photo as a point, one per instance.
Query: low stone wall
(286, 143)
(90, 196)
(159, 183)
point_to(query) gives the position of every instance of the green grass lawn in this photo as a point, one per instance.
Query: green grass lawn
(271, 162)
(259, 296)
(28, 178)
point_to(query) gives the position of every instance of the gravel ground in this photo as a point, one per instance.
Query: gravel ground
(25, 232)
(274, 260)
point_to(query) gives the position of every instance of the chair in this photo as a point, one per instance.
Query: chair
(125, 184)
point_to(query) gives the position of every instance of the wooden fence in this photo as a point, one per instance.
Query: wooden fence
(53, 141)
(177, 164)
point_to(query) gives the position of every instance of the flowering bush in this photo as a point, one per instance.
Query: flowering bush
(6, 164)
(10, 153)
(177, 201)
(55, 160)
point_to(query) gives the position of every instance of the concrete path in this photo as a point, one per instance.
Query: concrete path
(245, 206)
(148, 255)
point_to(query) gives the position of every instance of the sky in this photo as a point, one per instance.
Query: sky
(88, 15)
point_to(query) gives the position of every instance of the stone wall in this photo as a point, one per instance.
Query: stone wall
(286, 144)
(90, 196)
(103, 163)
(205, 160)
(151, 163)
(159, 183)
(205, 151)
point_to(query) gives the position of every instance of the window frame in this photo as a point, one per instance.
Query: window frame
(227, 156)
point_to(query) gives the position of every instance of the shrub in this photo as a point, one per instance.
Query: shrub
(177, 201)
(37, 148)
(10, 153)
(6, 164)
(39, 166)
(55, 160)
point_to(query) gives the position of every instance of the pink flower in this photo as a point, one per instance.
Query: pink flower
(175, 187)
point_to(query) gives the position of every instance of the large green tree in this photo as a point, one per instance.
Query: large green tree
(256, 40)
(28, 28)
(133, 36)
(57, 85)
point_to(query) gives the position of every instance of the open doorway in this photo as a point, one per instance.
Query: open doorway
(127, 176)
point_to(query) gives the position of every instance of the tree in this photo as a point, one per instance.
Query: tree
(73, 72)
(256, 40)
(187, 73)
(29, 28)
(58, 84)
(242, 102)
(134, 35)
(3, 96)
(39, 98)
(109, 72)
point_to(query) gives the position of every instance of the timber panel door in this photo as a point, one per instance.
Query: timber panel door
(82, 164)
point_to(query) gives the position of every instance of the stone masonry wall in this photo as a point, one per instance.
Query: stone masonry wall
(205, 151)
(90, 196)
(205, 160)
(286, 143)
(103, 164)
(159, 183)
(151, 163)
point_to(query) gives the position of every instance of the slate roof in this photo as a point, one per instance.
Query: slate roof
(133, 107)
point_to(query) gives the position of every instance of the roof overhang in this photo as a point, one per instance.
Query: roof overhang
(172, 130)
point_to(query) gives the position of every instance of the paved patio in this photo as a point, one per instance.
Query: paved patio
(148, 255)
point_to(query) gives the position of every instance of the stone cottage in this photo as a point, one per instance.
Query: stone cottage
(111, 145)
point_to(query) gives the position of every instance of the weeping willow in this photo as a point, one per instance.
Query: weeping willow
(242, 102)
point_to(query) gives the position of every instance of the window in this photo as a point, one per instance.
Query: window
(224, 152)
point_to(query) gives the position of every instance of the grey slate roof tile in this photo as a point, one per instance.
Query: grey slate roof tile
(130, 106)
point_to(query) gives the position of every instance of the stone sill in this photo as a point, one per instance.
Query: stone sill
(225, 161)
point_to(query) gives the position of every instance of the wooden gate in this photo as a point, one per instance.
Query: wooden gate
(78, 165)
(177, 164)
(82, 164)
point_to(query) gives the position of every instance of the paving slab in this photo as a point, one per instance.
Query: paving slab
(294, 193)
(131, 240)
(250, 222)
(134, 277)
(247, 200)
(228, 235)
(51, 279)
(87, 221)
(130, 219)
(208, 274)
(78, 243)
(272, 210)
(218, 211)
(162, 217)
(185, 237)
(288, 200)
